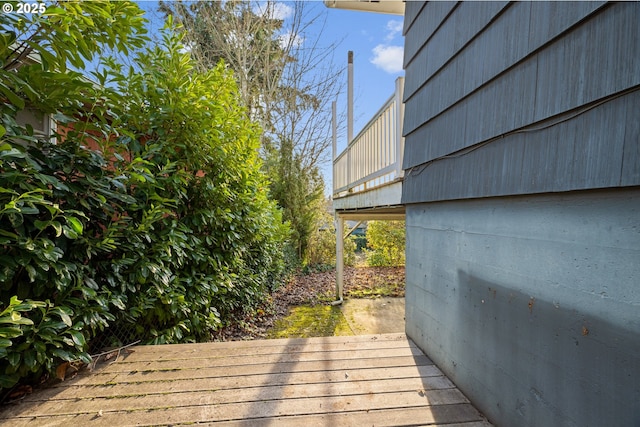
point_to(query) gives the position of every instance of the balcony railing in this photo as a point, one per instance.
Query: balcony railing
(374, 157)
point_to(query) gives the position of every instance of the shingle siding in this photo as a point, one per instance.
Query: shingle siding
(572, 155)
(488, 69)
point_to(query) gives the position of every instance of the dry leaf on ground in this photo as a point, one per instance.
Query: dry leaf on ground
(312, 289)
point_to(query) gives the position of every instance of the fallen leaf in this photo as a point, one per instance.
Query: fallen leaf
(312, 289)
(61, 371)
(20, 393)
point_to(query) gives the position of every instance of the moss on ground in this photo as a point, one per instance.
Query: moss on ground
(311, 321)
(382, 290)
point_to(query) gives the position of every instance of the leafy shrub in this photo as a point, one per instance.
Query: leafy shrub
(49, 301)
(54, 224)
(149, 215)
(322, 246)
(387, 242)
(220, 248)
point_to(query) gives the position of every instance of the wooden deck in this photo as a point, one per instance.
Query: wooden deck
(374, 380)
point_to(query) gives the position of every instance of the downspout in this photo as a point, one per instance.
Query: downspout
(340, 252)
(339, 259)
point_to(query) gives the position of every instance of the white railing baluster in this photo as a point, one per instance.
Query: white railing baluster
(374, 156)
(399, 94)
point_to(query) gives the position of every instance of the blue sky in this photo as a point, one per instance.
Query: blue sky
(377, 44)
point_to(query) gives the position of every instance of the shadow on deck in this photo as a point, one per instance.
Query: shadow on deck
(381, 380)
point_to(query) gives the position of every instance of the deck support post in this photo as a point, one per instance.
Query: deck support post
(339, 258)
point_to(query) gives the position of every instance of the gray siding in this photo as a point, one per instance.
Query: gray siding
(444, 28)
(410, 16)
(530, 304)
(548, 160)
(426, 20)
(522, 193)
(489, 69)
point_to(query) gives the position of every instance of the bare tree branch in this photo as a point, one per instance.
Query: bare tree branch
(286, 76)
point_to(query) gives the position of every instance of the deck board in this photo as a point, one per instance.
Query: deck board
(338, 381)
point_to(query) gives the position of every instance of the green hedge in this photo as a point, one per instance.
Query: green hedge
(386, 240)
(321, 252)
(149, 215)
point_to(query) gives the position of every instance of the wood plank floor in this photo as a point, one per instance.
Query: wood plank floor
(374, 380)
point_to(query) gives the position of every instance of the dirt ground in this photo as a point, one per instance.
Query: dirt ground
(313, 289)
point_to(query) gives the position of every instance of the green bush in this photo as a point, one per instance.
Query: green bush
(56, 222)
(387, 242)
(49, 301)
(162, 229)
(322, 246)
(220, 247)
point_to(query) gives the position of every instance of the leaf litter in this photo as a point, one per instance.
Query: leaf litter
(312, 289)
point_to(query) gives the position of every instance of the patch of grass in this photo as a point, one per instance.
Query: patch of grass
(311, 321)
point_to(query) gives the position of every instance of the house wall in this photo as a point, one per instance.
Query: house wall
(531, 304)
(522, 193)
(520, 98)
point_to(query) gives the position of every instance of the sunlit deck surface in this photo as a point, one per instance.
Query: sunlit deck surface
(371, 380)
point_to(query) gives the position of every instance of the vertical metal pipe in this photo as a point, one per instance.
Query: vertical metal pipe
(339, 257)
(350, 98)
(334, 126)
(334, 140)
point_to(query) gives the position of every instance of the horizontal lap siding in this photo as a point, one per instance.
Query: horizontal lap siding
(598, 58)
(426, 23)
(523, 64)
(445, 41)
(631, 166)
(410, 15)
(547, 160)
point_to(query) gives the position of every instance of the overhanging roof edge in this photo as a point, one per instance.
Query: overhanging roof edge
(393, 7)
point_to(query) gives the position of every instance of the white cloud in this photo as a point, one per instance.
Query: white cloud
(388, 58)
(274, 10)
(394, 27)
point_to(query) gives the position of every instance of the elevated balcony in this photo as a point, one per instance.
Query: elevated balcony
(368, 174)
